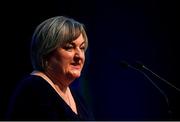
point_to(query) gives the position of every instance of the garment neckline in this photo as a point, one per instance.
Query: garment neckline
(54, 90)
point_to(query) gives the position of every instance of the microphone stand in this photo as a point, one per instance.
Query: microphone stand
(159, 77)
(160, 90)
(139, 68)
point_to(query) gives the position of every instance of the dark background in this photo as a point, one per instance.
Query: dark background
(130, 30)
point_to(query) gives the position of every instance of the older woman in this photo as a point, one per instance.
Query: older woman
(58, 55)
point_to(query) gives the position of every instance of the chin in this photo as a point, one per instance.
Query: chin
(75, 74)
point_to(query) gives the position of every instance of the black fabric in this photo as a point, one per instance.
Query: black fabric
(35, 99)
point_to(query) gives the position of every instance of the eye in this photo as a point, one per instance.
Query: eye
(82, 48)
(68, 47)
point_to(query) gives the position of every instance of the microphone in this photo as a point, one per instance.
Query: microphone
(138, 67)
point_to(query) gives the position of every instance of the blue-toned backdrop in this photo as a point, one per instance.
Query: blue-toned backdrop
(131, 30)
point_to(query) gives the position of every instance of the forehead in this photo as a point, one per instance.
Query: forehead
(80, 40)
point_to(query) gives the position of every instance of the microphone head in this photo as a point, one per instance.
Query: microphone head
(138, 65)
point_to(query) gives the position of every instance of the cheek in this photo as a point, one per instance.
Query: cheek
(65, 60)
(83, 59)
(61, 61)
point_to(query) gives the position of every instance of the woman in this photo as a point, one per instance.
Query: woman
(58, 55)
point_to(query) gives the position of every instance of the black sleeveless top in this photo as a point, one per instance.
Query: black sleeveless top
(35, 99)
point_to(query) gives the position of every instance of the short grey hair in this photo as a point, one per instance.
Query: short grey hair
(51, 34)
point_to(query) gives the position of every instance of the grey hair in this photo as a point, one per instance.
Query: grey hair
(51, 34)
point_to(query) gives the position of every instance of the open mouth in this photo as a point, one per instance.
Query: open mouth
(76, 66)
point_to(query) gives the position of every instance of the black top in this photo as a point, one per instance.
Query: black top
(35, 99)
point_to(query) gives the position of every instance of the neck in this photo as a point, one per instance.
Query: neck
(59, 82)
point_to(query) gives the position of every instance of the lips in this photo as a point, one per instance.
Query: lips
(76, 66)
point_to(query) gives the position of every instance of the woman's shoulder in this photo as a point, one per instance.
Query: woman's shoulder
(31, 86)
(31, 81)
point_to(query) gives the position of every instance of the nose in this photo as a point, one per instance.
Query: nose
(79, 54)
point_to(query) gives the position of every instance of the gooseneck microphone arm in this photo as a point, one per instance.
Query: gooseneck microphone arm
(140, 65)
(125, 64)
(165, 96)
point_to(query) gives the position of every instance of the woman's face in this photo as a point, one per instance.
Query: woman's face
(67, 61)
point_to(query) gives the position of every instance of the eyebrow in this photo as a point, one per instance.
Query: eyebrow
(80, 44)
